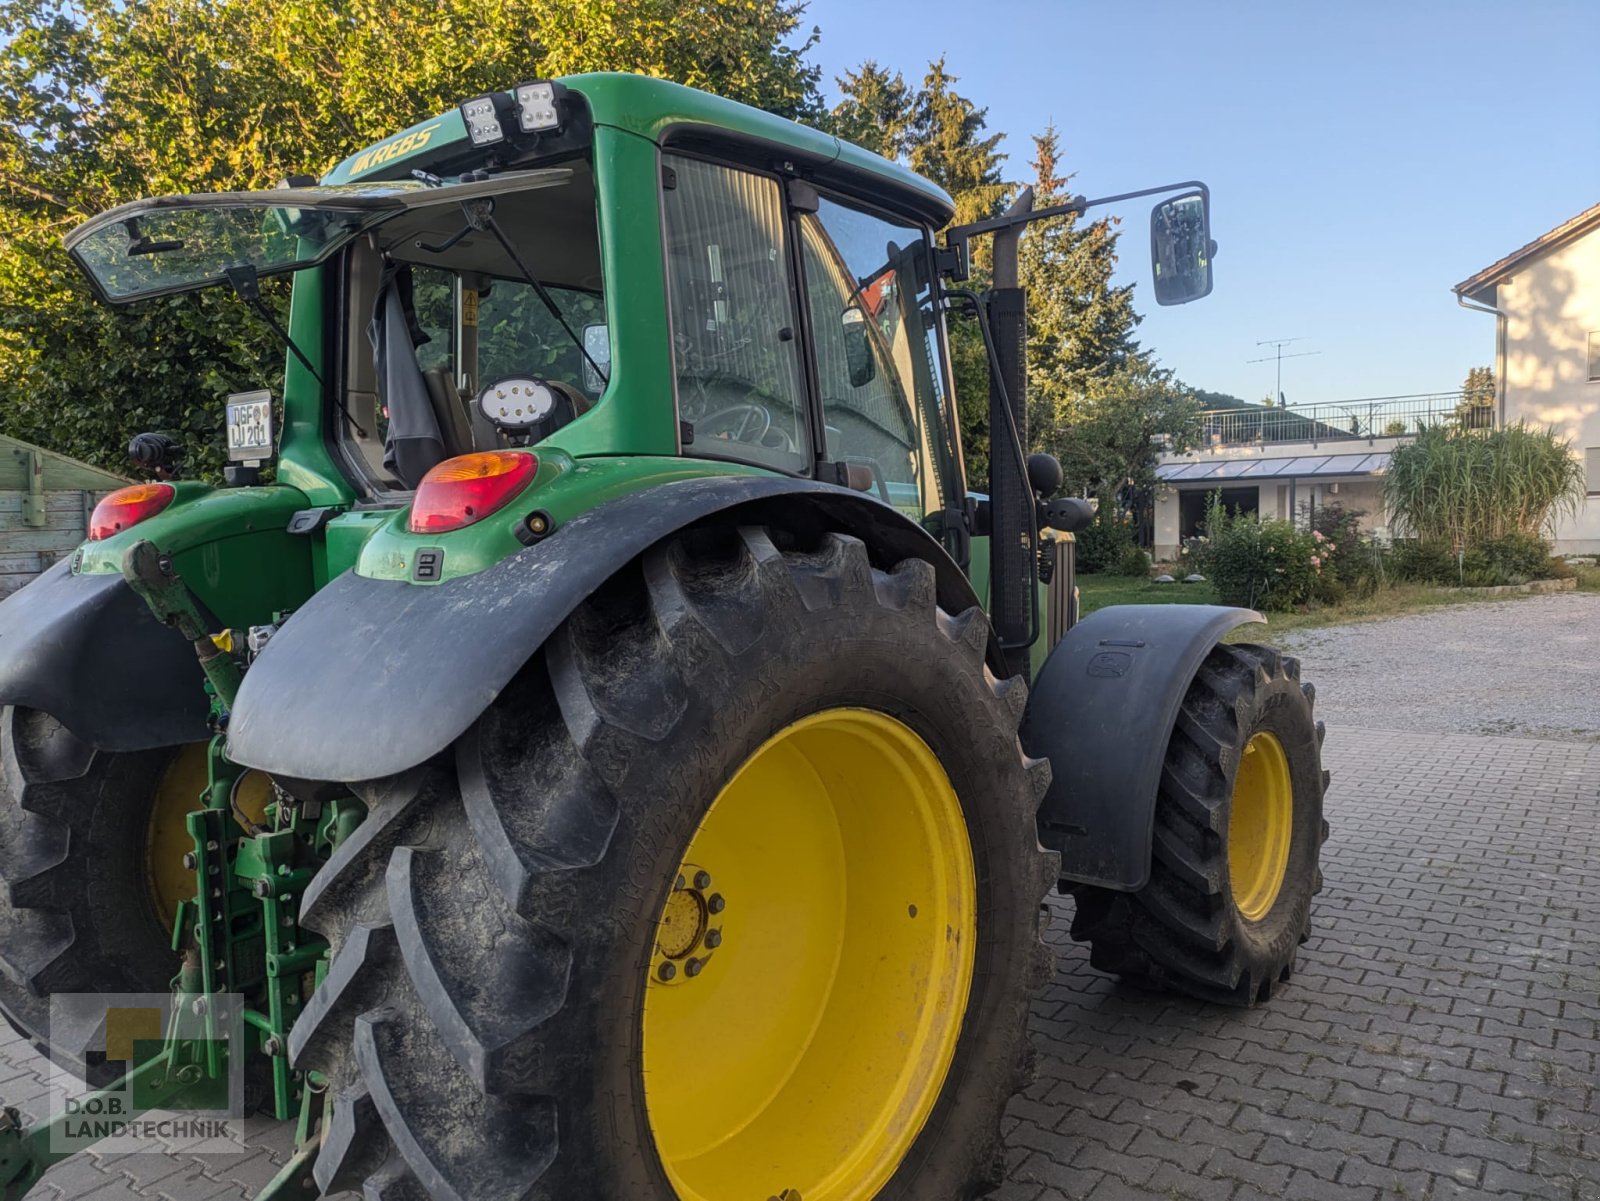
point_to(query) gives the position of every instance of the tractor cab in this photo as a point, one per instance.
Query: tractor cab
(463, 276)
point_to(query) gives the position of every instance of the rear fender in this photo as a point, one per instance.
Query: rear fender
(371, 677)
(87, 650)
(1102, 710)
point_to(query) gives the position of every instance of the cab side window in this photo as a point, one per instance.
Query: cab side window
(879, 367)
(735, 338)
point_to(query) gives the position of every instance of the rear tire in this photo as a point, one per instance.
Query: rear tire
(494, 919)
(1195, 927)
(76, 914)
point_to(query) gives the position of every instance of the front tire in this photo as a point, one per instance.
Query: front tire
(1238, 838)
(497, 1021)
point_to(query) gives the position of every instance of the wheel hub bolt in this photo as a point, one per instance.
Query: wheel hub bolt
(692, 968)
(713, 939)
(702, 880)
(667, 971)
(715, 903)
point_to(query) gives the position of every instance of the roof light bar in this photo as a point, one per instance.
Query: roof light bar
(532, 107)
(536, 106)
(483, 115)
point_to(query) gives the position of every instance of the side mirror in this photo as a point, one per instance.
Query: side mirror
(1181, 248)
(597, 342)
(857, 348)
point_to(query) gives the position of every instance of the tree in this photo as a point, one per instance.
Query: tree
(102, 101)
(1109, 433)
(1080, 326)
(946, 144)
(876, 110)
(942, 135)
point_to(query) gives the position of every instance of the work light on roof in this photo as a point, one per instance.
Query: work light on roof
(482, 115)
(536, 106)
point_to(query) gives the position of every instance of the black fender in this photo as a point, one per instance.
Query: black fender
(371, 677)
(1101, 711)
(87, 650)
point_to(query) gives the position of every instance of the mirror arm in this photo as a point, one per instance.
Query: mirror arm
(957, 236)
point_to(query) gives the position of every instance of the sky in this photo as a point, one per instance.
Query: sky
(1362, 157)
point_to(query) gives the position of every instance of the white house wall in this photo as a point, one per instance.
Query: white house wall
(1551, 306)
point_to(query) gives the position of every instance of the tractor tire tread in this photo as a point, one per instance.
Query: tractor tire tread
(465, 883)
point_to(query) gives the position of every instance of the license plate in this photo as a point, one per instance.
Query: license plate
(250, 426)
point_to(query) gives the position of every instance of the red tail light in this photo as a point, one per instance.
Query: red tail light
(127, 507)
(468, 488)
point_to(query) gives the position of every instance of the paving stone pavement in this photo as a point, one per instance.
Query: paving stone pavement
(1440, 1038)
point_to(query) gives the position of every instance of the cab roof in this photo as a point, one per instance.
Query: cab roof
(668, 112)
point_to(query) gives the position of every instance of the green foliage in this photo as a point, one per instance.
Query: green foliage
(1103, 545)
(1348, 565)
(1134, 562)
(1257, 564)
(1513, 558)
(877, 110)
(1108, 431)
(947, 142)
(941, 134)
(1461, 486)
(1517, 557)
(103, 101)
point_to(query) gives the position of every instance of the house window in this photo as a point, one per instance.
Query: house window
(1594, 359)
(1591, 461)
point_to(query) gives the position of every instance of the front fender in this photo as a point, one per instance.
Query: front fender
(1101, 711)
(87, 650)
(371, 677)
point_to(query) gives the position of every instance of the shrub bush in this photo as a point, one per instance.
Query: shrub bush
(1257, 564)
(1518, 557)
(1513, 558)
(1422, 561)
(1104, 543)
(1347, 563)
(1134, 561)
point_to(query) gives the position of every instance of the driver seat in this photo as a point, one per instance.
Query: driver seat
(448, 411)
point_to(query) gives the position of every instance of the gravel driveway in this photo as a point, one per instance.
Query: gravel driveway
(1528, 668)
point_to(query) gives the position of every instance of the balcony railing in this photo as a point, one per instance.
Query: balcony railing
(1363, 420)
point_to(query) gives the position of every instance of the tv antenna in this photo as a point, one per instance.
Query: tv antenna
(1278, 356)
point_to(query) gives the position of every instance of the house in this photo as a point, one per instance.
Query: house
(1286, 463)
(1545, 298)
(45, 502)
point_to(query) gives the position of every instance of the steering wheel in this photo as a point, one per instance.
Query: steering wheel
(746, 413)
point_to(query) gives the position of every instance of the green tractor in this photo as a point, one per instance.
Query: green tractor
(596, 738)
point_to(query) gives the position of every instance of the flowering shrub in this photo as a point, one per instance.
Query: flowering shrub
(1347, 564)
(1259, 564)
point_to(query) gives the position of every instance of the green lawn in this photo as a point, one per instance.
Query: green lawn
(1098, 591)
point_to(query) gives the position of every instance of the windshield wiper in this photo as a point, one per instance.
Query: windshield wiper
(480, 217)
(247, 284)
(140, 243)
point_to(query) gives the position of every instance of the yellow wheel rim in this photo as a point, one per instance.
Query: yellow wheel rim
(179, 793)
(811, 967)
(1260, 826)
